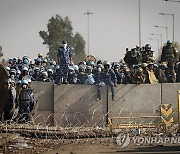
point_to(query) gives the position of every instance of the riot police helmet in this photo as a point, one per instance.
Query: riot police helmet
(24, 82)
(148, 47)
(64, 42)
(39, 60)
(50, 70)
(76, 68)
(25, 69)
(40, 55)
(26, 61)
(169, 42)
(7, 68)
(12, 71)
(91, 63)
(107, 64)
(99, 62)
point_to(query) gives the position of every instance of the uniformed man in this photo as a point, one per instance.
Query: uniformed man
(127, 76)
(160, 73)
(147, 54)
(132, 58)
(25, 102)
(98, 80)
(109, 78)
(169, 55)
(89, 76)
(81, 76)
(119, 73)
(72, 76)
(139, 77)
(64, 59)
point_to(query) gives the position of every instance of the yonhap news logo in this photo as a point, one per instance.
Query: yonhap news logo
(124, 139)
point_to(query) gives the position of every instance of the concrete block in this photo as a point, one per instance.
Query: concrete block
(135, 100)
(79, 101)
(169, 96)
(44, 93)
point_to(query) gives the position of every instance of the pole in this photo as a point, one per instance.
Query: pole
(173, 27)
(173, 21)
(160, 38)
(157, 42)
(88, 13)
(88, 33)
(166, 33)
(139, 23)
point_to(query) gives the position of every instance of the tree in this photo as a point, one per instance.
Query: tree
(1, 53)
(59, 29)
(79, 45)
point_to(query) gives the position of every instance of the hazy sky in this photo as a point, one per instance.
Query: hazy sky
(113, 25)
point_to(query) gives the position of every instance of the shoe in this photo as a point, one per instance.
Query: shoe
(113, 99)
(98, 99)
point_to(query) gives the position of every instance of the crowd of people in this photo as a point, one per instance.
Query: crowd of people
(138, 66)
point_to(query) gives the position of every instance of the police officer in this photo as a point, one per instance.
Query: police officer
(109, 78)
(25, 102)
(119, 73)
(81, 76)
(89, 77)
(64, 60)
(98, 80)
(139, 77)
(169, 55)
(132, 57)
(147, 54)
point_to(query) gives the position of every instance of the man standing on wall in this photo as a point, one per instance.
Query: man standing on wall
(64, 60)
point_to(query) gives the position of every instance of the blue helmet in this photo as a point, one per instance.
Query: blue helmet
(50, 70)
(90, 63)
(26, 61)
(169, 42)
(24, 82)
(24, 69)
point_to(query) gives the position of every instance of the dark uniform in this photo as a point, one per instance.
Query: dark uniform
(169, 56)
(108, 77)
(64, 58)
(25, 102)
(132, 57)
(147, 54)
(139, 77)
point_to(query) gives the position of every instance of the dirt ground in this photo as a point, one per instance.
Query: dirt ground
(29, 140)
(15, 144)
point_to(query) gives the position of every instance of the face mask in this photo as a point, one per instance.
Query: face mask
(65, 45)
(44, 64)
(99, 69)
(24, 86)
(12, 76)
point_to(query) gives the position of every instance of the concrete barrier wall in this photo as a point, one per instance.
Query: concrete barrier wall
(76, 105)
(44, 109)
(169, 96)
(136, 100)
